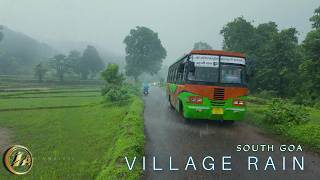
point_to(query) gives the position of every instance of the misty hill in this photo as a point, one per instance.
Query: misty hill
(19, 52)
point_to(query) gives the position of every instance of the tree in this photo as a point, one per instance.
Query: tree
(61, 65)
(315, 19)
(311, 45)
(40, 70)
(238, 35)
(74, 58)
(90, 63)
(144, 52)
(278, 70)
(310, 67)
(201, 46)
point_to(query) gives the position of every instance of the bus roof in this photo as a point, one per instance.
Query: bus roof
(218, 52)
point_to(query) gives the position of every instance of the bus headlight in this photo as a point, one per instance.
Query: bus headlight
(195, 99)
(238, 102)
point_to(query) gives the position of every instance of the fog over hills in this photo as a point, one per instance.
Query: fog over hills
(17, 48)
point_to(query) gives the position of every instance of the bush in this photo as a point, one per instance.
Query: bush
(284, 113)
(115, 90)
(117, 94)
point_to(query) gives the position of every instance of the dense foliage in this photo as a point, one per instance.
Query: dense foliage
(276, 61)
(144, 52)
(310, 67)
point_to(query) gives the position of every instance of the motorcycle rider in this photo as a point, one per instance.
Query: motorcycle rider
(145, 88)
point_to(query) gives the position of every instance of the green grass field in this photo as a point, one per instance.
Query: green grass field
(66, 143)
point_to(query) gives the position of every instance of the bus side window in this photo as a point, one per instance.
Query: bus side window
(184, 77)
(175, 74)
(171, 74)
(181, 72)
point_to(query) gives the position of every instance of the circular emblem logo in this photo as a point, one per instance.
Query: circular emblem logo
(18, 160)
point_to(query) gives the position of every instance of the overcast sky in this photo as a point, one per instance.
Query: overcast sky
(179, 23)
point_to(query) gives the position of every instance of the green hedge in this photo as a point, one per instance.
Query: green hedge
(130, 142)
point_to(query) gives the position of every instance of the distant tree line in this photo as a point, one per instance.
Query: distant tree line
(85, 65)
(277, 63)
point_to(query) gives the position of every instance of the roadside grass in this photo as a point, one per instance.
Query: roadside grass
(307, 134)
(130, 144)
(72, 143)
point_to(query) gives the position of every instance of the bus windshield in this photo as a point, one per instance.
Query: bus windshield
(232, 74)
(206, 74)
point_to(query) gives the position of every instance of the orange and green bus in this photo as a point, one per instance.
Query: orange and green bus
(208, 84)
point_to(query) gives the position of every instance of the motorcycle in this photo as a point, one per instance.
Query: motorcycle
(145, 92)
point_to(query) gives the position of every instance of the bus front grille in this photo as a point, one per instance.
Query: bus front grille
(217, 103)
(218, 94)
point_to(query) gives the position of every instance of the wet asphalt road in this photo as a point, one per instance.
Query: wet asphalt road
(167, 134)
